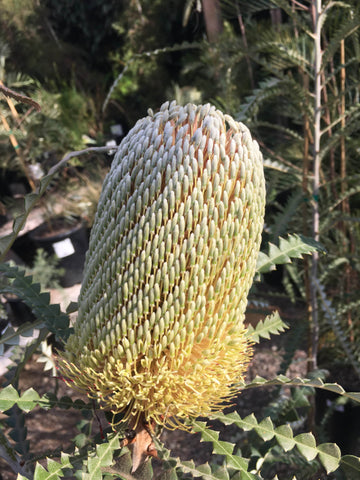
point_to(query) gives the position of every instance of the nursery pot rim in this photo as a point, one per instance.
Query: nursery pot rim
(67, 228)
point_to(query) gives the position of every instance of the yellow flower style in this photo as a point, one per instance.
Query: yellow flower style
(172, 256)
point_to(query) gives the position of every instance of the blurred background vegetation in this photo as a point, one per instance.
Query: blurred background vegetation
(95, 65)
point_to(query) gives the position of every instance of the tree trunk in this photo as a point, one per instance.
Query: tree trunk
(213, 20)
(318, 18)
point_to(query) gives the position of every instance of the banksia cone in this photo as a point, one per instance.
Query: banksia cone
(172, 255)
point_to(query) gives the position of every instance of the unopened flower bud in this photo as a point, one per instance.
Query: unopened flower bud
(171, 259)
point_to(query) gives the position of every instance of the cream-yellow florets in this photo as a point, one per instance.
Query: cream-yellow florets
(171, 259)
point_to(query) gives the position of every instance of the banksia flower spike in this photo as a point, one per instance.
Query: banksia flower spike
(172, 255)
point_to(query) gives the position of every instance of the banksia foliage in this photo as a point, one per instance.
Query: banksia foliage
(171, 259)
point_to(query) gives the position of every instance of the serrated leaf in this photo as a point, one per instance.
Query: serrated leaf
(302, 382)
(41, 474)
(54, 470)
(169, 475)
(19, 222)
(351, 465)
(257, 381)
(39, 302)
(5, 242)
(300, 398)
(29, 332)
(238, 463)
(30, 199)
(204, 471)
(105, 454)
(208, 435)
(12, 337)
(295, 246)
(8, 397)
(54, 467)
(48, 400)
(265, 429)
(222, 473)
(28, 400)
(224, 448)
(94, 469)
(334, 387)
(306, 444)
(284, 437)
(65, 402)
(249, 422)
(72, 307)
(103, 458)
(329, 455)
(65, 460)
(79, 404)
(271, 325)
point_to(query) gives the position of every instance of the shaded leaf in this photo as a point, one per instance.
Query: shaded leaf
(271, 325)
(23, 286)
(351, 465)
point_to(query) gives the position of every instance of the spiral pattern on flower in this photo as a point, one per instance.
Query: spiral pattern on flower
(172, 255)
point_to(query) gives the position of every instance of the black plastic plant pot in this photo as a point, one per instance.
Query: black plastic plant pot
(68, 241)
